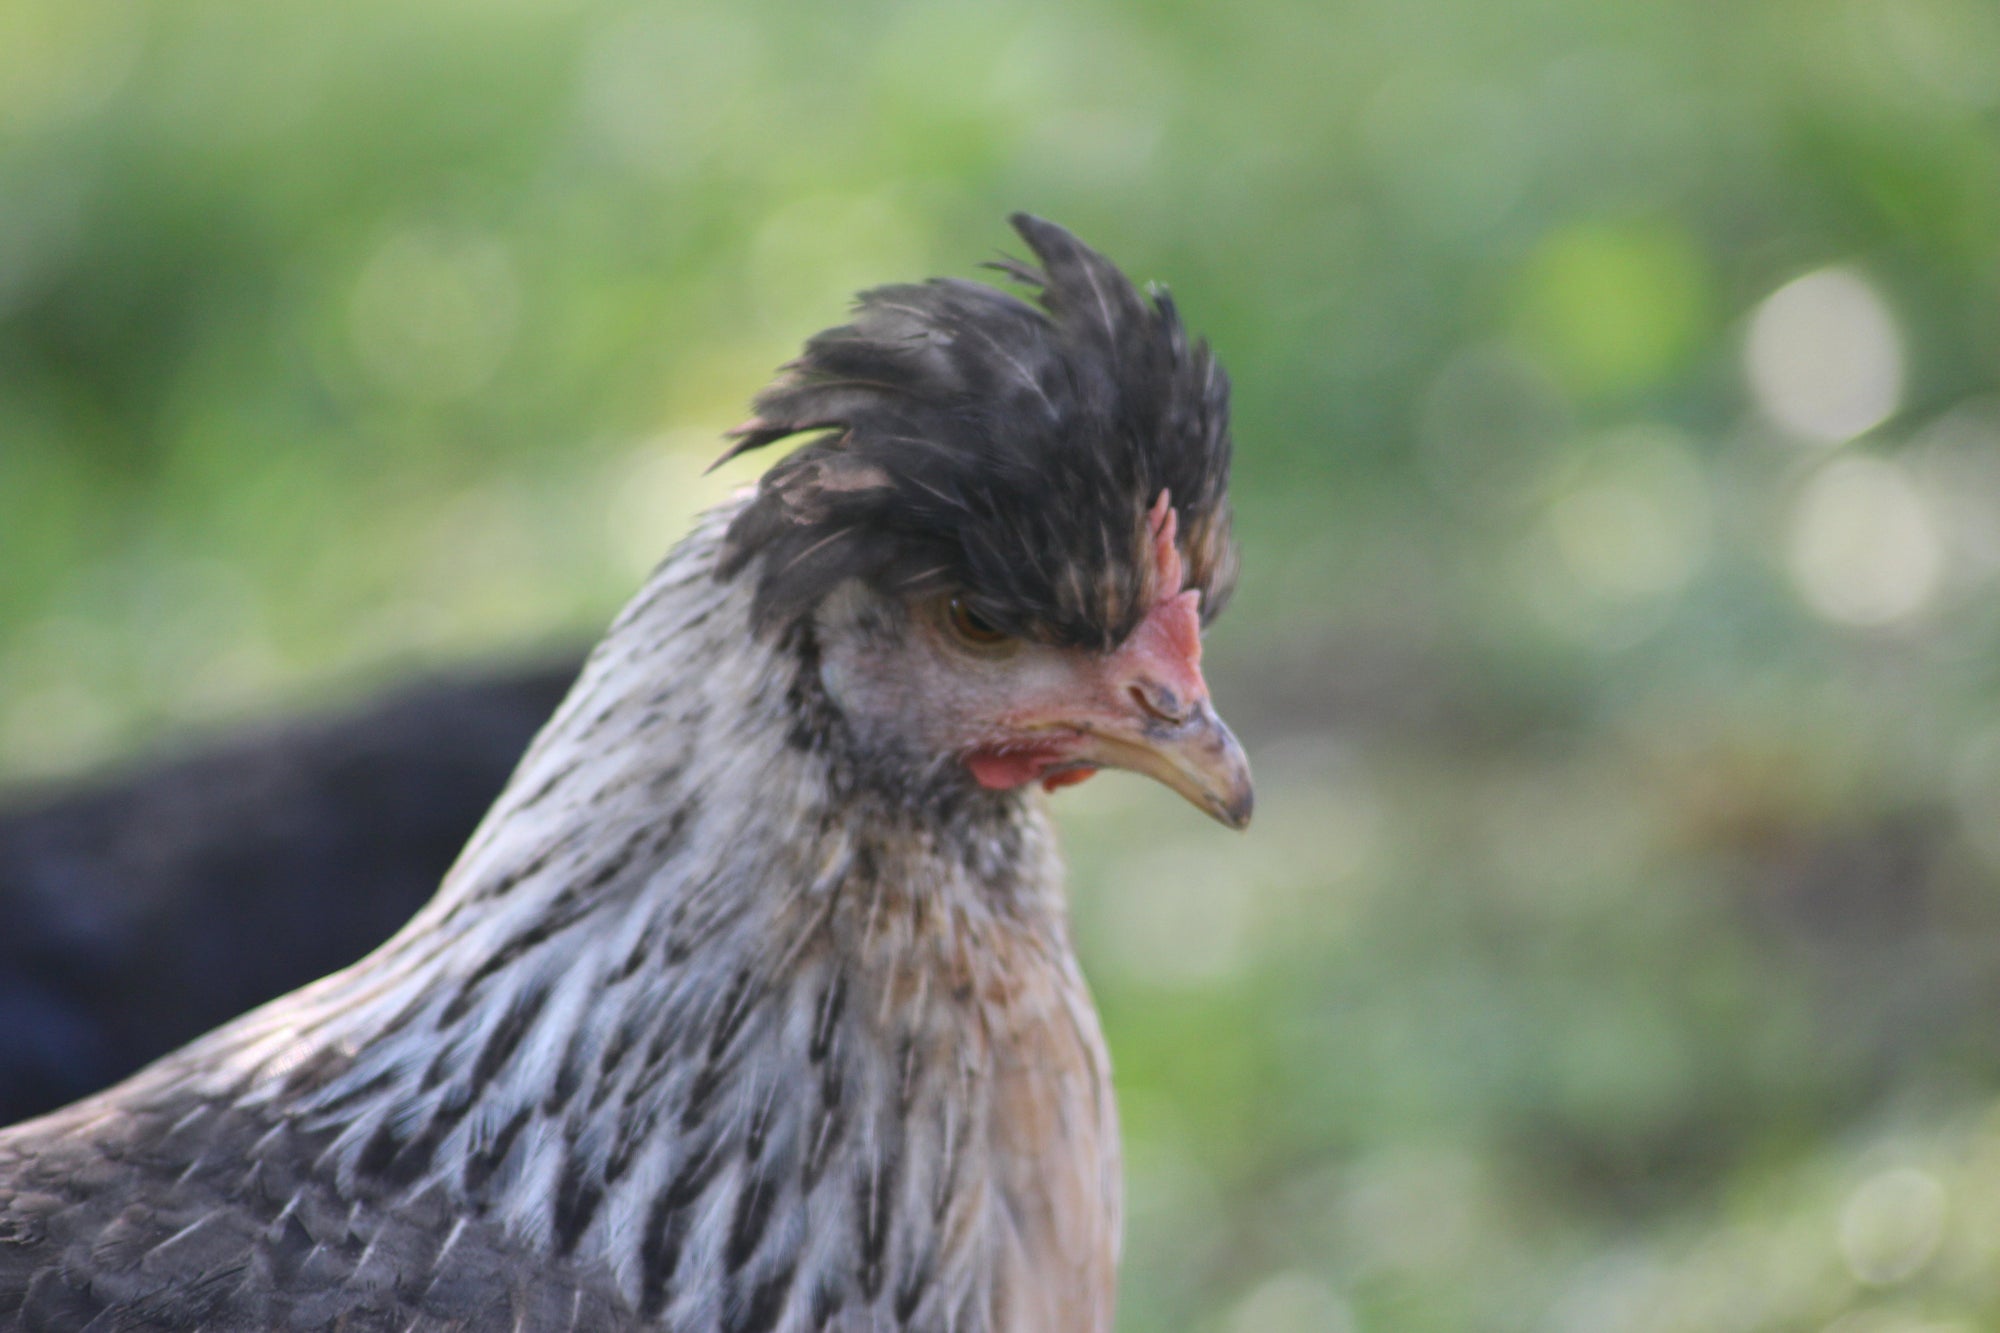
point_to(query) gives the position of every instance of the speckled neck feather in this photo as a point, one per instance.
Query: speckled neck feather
(762, 1042)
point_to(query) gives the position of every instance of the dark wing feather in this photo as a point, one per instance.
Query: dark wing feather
(144, 909)
(182, 1215)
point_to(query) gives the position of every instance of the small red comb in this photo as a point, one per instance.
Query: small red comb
(1164, 524)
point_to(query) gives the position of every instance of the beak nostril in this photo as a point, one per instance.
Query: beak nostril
(1158, 703)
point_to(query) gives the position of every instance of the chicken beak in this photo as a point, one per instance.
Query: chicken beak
(1144, 707)
(1196, 756)
(1154, 716)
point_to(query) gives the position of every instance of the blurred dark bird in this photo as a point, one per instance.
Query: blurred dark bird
(143, 909)
(751, 1005)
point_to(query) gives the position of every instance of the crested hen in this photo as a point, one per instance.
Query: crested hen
(751, 1005)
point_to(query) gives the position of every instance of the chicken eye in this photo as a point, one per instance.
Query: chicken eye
(972, 627)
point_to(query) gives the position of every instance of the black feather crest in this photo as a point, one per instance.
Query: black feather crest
(979, 445)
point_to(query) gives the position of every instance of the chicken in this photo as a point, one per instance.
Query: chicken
(750, 1007)
(143, 909)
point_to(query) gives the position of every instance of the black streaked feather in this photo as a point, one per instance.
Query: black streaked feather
(981, 445)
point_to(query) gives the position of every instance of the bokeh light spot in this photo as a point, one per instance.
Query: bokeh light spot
(433, 313)
(1635, 524)
(1863, 547)
(61, 60)
(1892, 1226)
(1613, 308)
(1825, 357)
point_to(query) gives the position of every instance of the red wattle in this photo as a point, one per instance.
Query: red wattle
(1003, 770)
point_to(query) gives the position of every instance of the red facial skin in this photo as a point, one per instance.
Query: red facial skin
(1152, 678)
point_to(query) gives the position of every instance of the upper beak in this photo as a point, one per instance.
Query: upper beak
(1148, 708)
(1196, 756)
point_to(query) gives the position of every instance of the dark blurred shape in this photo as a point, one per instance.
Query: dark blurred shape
(142, 910)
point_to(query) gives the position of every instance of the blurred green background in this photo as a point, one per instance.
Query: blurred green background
(1618, 946)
